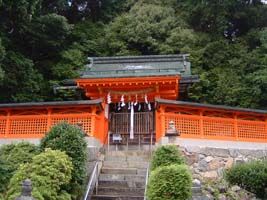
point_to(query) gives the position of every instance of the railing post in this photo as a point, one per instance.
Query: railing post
(235, 126)
(139, 141)
(49, 111)
(7, 130)
(201, 124)
(151, 141)
(266, 125)
(96, 183)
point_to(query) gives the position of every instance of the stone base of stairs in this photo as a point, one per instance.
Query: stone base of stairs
(123, 176)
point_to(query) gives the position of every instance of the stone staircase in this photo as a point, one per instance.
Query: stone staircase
(122, 176)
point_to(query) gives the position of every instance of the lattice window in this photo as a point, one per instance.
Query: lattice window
(184, 124)
(28, 126)
(2, 126)
(252, 130)
(85, 121)
(218, 127)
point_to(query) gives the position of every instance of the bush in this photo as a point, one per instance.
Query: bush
(166, 155)
(70, 139)
(48, 171)
(11, 157)
(170, 182)
(251, 176)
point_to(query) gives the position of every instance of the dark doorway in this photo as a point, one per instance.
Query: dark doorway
(144, 124)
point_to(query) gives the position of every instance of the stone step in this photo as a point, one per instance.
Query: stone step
(108, 170)
(122, 177)
(120, 191)
(121, 184)
(133, 147)
(196, 190)
(129, 153)
(141, 158)
(116, 197)
(200, 197)
(125, 164)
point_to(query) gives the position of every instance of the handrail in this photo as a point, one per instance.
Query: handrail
(91, 185)
(147, 175)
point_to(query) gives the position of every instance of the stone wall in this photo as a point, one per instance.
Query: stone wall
(210, 163)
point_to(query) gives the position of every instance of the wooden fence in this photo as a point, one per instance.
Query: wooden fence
(35, 126)
(195, 126)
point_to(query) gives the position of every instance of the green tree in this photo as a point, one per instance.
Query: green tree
(70, 139)
(2, 55)
(11, 157)
(48, 171)
(21, 82)
(143, 30)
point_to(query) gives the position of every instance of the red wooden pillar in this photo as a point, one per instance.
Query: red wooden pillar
(93, 121)
(160, 123)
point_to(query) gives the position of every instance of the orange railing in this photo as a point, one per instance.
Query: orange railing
(35, 126)
(197, 126)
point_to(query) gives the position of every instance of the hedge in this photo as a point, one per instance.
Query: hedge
(170, 182)
(251, 176)
(166, 155)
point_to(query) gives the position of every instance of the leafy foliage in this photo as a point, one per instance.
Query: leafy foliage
(170, 182)
(251, 176)
(48, 171)
(11, 157)
(166, 155)
(70, 139)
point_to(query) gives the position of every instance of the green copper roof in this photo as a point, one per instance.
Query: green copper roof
(131, 66)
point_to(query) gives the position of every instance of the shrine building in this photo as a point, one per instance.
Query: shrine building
(135, 100)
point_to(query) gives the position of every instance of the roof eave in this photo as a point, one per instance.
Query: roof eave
(97, 102)
(210, 106)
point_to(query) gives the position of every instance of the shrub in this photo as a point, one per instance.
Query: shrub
(251, 176)
(170, 182)
(70, 139)
(11, 157)
(166, 155)
(48, 171)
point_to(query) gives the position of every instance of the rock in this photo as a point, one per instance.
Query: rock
(196, 183)
(215, 164)
(222, 197)
(235, 188)
(202, 165)
(220, 171)
(234, 153)
(229, 163)
(215, 152)
(192, 149)
(191, 159)
(210, 175)
(208, 159)
(201, 156)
